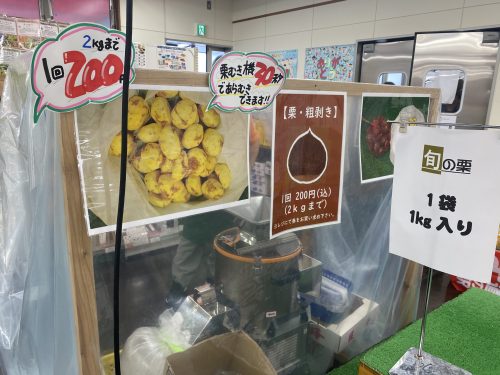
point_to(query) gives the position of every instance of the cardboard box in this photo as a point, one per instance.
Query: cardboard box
(234, 351)
(337, 336)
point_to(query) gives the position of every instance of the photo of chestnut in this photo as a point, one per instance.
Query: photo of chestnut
(181, 155)
(378, 136)
(378, 110)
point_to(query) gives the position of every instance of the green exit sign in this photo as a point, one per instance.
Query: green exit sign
(201, 29)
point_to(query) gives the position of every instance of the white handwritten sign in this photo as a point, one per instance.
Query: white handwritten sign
(84, 64)
(445, 203)
(248, 82)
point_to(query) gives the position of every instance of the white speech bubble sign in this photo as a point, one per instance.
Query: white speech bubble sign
(245, 81)
(83, 64)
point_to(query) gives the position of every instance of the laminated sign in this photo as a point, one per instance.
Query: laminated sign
(307, 160)
(183, 160)
(445, 203)
(245, 82)
(83, 64)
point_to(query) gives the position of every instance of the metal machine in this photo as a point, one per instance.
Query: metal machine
(256, 289)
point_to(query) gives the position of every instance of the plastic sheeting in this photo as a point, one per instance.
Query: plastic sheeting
(357, 248)
(37, 334)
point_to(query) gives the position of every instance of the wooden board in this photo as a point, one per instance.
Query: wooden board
(80, 254)
(365, 370)
(79, 244)
(155, 77)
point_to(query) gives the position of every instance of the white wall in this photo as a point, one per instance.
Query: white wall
(338, 23)
(351, 20)
(155, 20)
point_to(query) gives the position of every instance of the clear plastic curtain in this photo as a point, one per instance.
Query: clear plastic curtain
(37, 333)
(357, 248)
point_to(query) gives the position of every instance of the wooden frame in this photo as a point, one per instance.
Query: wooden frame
(364, 370)
(79, 244)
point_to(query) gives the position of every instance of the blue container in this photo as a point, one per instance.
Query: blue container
(322, 314)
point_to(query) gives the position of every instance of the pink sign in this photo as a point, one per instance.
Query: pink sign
(83, 65)
(248, 82)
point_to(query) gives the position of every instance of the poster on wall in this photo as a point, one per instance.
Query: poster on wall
(288, 59)
(182, 159)
(140, 56)
(308, 148)
(173, 58)
(333, 63)
(377, 110)
(445, 201)
(8, 32)
(162, 57)
(28, 33)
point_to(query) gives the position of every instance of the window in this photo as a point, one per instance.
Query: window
(216, 55)
(207, 54)
(452, 85)
(202, 57)
(392, 78)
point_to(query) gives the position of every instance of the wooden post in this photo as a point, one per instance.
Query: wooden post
(80, 254)
(364, 370)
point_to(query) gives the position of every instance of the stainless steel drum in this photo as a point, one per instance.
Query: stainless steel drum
(259, 279)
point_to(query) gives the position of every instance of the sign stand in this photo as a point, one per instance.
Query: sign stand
(417, 361)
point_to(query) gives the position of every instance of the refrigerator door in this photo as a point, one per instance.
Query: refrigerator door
(462, 65)
(383, 62)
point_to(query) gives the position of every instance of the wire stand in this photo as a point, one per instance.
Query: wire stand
(417, 361)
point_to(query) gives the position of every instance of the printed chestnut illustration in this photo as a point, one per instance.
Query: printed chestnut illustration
(307, 158)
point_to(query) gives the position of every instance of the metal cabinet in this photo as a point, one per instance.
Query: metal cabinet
(386, 61)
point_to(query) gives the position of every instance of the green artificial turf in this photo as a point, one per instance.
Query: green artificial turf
(388, 107)
(464, 332)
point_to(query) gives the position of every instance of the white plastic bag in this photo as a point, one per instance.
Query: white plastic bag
(147, 348)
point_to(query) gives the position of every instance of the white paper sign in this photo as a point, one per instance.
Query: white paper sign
(245, 81)
(83, 64)
(48, 30)
(448, 119)
(445, 201)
